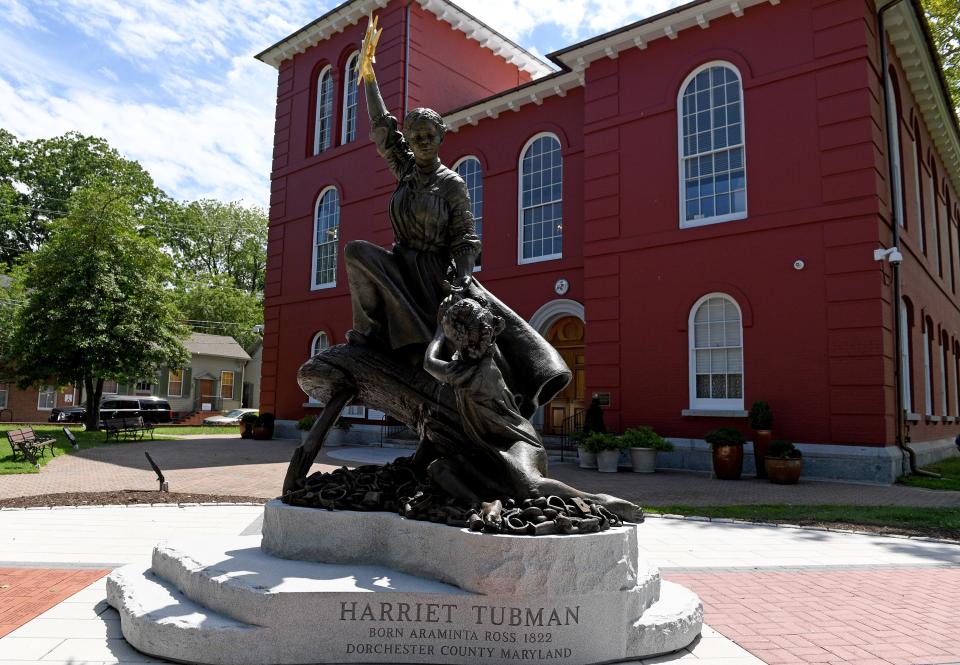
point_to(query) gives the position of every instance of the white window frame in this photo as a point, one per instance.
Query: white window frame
(321, 334)
(918, 187)
(681, 159)
(233, 384)
(50, 392)
(712, 404)
(318, 147)
(520, 208)
(350, 85)
(354, 411)
(111, 392)
(170, 374)
(893, 111)
(473, 202)
(314, 285)
(144, 382)
(943, 378)
(905, 358)
(5, 391)
(956, 381)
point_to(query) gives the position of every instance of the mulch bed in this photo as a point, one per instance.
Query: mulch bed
(123, 497)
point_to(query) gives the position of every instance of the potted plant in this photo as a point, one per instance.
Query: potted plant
(607, 448)
(761, 422)
(727, 448)
(263, 427)
(304, 425)
(247, 421)
(784, 462)
(588, 460)
(644, 444)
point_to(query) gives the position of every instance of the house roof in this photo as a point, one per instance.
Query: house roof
(352, 11)
(222, 346)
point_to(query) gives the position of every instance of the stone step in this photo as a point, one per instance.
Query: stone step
(235, 577)
(669, 624)
(160, 621)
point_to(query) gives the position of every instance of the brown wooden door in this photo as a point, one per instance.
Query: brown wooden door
(566, 336)
(206, 390)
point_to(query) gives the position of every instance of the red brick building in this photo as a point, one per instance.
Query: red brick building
(687, 207)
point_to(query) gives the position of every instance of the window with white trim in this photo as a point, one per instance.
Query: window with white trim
(323, 121)
(716, 354)
(956, 380)
(541, 200)
(110, 387)
(917, 153)
(175, 383)
(905, 357)
(319, 343)
(46, 398)
(944, 387)
(933, 216)
(326, 234)
(226, 384)
(470, 170)
(4, 390)
(927, 370)
(349, 127)
(145, 385)
(713, 175)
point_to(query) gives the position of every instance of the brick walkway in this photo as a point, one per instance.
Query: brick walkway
(238, 467)
(890, 616)
(28, 592)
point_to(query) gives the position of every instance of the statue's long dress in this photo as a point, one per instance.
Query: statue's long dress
(395, 294)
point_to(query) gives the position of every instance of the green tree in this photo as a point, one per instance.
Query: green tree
(209, 239)
(943, 17)
(219, 308)
(37, 179)
(97, 306)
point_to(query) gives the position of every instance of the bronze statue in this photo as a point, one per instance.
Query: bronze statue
(431, 347)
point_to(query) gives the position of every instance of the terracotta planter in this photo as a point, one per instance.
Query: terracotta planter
(644, 460)
(727, 461)
(784, 471)
(607, 461)
(261, 433)
(588, 460)
(246, 430)
(761, 440)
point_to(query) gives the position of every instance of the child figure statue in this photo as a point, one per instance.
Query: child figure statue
(503, 457)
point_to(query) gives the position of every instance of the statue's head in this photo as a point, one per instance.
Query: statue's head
(424, 130)
(471, 327)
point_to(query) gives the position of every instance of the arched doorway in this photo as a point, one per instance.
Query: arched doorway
(566, 336)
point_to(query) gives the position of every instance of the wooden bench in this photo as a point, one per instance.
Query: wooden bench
(25, 443)
(128, 428)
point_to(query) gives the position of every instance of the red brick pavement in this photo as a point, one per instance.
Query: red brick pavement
(28, 592)
(898, 616)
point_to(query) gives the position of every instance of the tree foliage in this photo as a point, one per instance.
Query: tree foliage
(219, 308)
(37, 179)
(943, 17)
(97, 305)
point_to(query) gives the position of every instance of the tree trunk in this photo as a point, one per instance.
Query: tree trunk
(94, 389)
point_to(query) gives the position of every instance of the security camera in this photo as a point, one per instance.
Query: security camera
(258, 328)
(895, 256)
(891, 254)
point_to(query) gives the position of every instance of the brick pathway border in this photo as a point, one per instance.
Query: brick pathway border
(26, 593)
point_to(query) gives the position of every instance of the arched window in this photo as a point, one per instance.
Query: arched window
(927, 367)
(906, 366)
(319, 343)
(713, 176)
(469, 169)
(323, 122)
(933, 213)
(917, 160)
(349, 132)
(893, 109)
(541, 200)
(326, 233)
(716, 353)
(944, 385)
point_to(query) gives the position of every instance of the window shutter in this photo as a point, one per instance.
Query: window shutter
(187, 383)
(164, 382)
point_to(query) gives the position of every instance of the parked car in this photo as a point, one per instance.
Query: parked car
(228, 418)
(152, 409)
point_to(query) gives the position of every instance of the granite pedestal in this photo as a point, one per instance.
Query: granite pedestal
(346, 587)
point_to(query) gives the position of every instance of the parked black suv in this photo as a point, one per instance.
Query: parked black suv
(153, 410)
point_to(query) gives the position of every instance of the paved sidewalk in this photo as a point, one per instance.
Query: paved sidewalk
(239, 467)
(772, 594)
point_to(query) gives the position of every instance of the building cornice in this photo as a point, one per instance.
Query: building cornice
(908, 34)
(351, 12)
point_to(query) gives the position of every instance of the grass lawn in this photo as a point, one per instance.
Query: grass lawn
(86, 440)
(948, 468)
(936, 522)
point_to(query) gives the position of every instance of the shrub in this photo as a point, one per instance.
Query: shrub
(251, 417)
(783, 449)
(258, 419)
(306, 422)
(645, 437)
(760, 416)
(725, 436)
(599, 441)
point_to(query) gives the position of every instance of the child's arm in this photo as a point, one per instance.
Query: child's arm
(452, 372)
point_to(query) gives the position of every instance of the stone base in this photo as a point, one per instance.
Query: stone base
(233, 603)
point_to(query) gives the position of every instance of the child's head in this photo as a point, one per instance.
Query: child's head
(470, 326)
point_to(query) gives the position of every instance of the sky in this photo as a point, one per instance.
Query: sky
(174, 85)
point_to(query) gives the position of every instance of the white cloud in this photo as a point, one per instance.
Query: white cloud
(15, 12)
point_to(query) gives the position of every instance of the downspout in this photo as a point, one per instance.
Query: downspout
(896, 209)
(406, 60)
